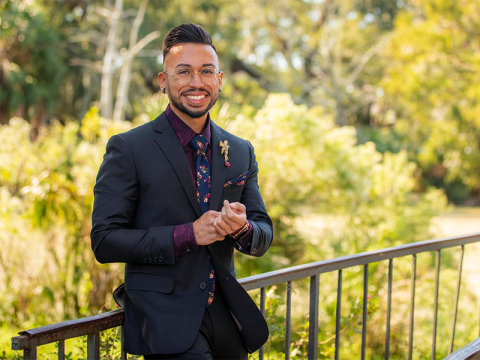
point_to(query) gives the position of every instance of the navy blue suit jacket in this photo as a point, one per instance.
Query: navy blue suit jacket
(143, 190)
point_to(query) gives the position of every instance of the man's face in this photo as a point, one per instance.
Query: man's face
(194, 99)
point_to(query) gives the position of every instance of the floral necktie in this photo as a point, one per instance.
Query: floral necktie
(199, 143)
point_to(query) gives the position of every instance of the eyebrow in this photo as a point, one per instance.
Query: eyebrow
(188, 65)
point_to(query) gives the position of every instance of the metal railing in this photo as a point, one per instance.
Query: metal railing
(91, 326)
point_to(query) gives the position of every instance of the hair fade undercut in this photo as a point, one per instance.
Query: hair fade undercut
(186, 33)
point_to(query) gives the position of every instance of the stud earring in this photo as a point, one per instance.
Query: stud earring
(164, 90)
(219, 90)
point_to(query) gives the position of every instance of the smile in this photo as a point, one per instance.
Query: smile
(191, 97)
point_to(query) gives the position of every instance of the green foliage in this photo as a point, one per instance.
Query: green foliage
(430, 84)
(46, 201)
(32, 68)
(404, 73)
(309, 165)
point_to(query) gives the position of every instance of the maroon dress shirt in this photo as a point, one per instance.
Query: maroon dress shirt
(183, 236)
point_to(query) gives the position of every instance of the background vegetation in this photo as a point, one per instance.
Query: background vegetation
(362, 113)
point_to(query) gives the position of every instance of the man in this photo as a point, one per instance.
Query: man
(173, 198)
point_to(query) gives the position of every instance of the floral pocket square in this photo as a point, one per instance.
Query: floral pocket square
(240, 180)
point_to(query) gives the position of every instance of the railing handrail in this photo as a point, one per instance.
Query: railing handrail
(67, 329)
(344, 262)
(94, 324)
(466, 352)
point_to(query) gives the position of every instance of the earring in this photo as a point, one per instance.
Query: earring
(219, 90)
(164, 90)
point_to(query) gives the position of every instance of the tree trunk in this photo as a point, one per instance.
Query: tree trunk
(126, 74)
(124, 83)
(107, 69)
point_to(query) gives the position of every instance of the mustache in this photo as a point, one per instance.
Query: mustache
(193, 90)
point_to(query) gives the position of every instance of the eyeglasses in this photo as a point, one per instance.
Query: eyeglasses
(184, 75)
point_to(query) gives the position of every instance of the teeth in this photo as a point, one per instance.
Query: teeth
(196, 97)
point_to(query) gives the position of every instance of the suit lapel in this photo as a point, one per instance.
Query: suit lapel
(167, 140)
(219, 170)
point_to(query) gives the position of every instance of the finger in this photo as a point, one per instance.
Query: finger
(238, 208)
(229, 217)
(221, 231)
(223, 227)
(229, 212)
(212, 214)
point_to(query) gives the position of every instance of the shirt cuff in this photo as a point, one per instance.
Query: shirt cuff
(184, 239)
(244, 240)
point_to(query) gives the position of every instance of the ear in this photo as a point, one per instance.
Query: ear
(220, 79)
(162, 80)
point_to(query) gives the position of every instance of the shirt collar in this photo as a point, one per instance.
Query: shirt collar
(184, 133)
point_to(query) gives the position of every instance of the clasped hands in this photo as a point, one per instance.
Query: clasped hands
(214, 226)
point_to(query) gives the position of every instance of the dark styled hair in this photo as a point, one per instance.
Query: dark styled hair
(186, 33)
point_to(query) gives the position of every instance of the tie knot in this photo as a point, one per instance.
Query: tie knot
(199, 143)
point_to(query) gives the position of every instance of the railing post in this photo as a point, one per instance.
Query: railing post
(123, 355)
(389, 309)
(338, 315)
(61, 350)
(30, 354)
(288, 320)
(261, 352)
(412, 307)
(93, 346)
(435, 305)
(313, 318)
(455, 306)
(365, 310)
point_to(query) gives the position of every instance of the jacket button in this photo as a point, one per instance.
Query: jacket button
(188, 250)
(160, 258)
(155, 259)
(145, 260)
(150, 260)
(202, 285)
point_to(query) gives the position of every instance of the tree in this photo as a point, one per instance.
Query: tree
(320, 52)
(31, 70)
(311, 165)
(111, 42)
(430, 84)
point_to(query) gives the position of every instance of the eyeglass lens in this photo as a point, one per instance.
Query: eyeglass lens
(184, 75)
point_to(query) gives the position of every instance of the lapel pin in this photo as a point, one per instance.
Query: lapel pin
(224, 145)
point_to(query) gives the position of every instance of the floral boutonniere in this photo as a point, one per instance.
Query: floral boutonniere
(224, 145)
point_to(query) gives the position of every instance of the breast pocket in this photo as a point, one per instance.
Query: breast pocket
(233, 193)
(162, 283)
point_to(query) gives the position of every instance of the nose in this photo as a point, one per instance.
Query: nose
(196, 82)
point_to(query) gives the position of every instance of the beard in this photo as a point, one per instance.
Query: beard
(191, 112)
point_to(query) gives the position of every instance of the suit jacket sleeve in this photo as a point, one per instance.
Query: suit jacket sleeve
(116, 193)
(256, 213)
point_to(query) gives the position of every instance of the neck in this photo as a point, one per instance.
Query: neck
(196, 124)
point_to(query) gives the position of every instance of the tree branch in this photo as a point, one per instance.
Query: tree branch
(142, 43)
(365, 58)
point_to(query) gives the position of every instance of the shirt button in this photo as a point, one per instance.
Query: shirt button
(145, 260)
(202, 285)
(150, 260)
(155, 259)
(160, 258)
(188, 250)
